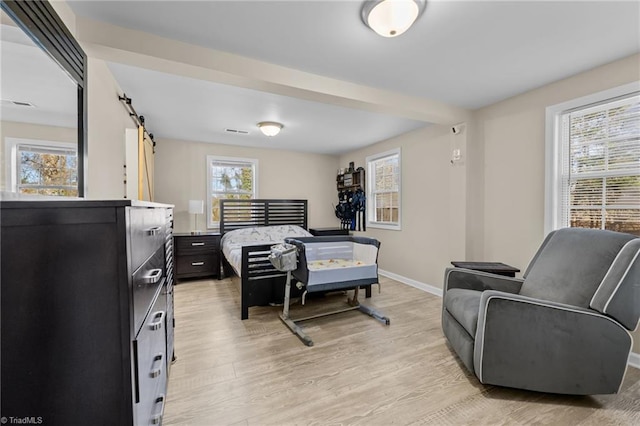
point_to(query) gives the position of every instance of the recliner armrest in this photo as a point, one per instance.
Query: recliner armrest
(535, 344)
(479, 281)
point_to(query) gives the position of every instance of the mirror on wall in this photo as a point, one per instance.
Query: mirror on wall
(42, 108)
(39, 114)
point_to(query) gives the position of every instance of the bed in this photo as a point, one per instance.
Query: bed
(249, 228)
(246, 246)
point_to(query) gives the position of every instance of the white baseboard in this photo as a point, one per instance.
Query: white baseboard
(413, 283)
(634, 358)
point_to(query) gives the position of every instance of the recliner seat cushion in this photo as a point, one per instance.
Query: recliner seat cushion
(464, 305)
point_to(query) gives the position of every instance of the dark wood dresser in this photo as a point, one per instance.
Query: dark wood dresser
(87, 310)
(197, 256)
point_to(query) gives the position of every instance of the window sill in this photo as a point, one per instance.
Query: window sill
(391, 227)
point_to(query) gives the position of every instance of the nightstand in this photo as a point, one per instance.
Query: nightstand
(318, 232)
(197, 256)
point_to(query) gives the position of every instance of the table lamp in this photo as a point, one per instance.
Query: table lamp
(196, 207)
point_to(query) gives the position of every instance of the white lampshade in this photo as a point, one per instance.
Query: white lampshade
(196, 206)
(270, 128)
(390, 18)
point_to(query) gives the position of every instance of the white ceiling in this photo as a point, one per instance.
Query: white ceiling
(467, 54)
(181, 108)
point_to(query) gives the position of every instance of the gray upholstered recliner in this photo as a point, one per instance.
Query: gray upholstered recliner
(563, 328)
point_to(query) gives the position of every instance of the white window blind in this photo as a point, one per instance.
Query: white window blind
(383, 196)
(600, 166)
(233, 178)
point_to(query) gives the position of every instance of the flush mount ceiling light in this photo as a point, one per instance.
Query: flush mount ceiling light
(390, 18)
(270, 128)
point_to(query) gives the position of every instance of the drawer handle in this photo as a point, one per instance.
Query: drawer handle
(152, 277)
(154, 230)
(156, 325)
(157, 418)
(155, 373)
(197, 263)
(197, 244)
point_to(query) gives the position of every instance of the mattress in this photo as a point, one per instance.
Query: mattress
(233, 241)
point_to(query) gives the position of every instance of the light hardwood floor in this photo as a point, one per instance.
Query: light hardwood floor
(256, 372)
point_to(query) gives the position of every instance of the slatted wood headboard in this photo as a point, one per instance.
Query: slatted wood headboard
(236, 214)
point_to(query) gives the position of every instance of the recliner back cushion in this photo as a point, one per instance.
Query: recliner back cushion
(619, 294)
(572, 264)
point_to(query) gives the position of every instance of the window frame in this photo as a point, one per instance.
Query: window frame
(370, 161)
(240, 160)
(554, 159)
(11, 158)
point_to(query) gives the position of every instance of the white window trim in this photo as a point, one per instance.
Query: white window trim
(11, 156)
(210, 223)
(553, 157)
(370, 186)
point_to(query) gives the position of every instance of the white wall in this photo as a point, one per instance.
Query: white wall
(180, 175)
(490, 207)
(107, 124)
(433, 205)
(510, 141)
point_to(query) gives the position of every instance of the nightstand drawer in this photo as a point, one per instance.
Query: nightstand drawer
(197, 264)
(197, 244)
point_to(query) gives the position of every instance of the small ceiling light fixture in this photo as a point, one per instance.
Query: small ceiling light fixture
(390, 18)
(270, 128)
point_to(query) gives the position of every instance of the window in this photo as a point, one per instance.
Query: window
(229, 177)
(383, 193)
(594, 162)
(42, 167)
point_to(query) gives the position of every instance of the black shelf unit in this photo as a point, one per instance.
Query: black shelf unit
(351, 208)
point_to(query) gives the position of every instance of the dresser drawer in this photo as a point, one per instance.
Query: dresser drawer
(151, 363)
(197, 244)
(146, 282)
(147, 230)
